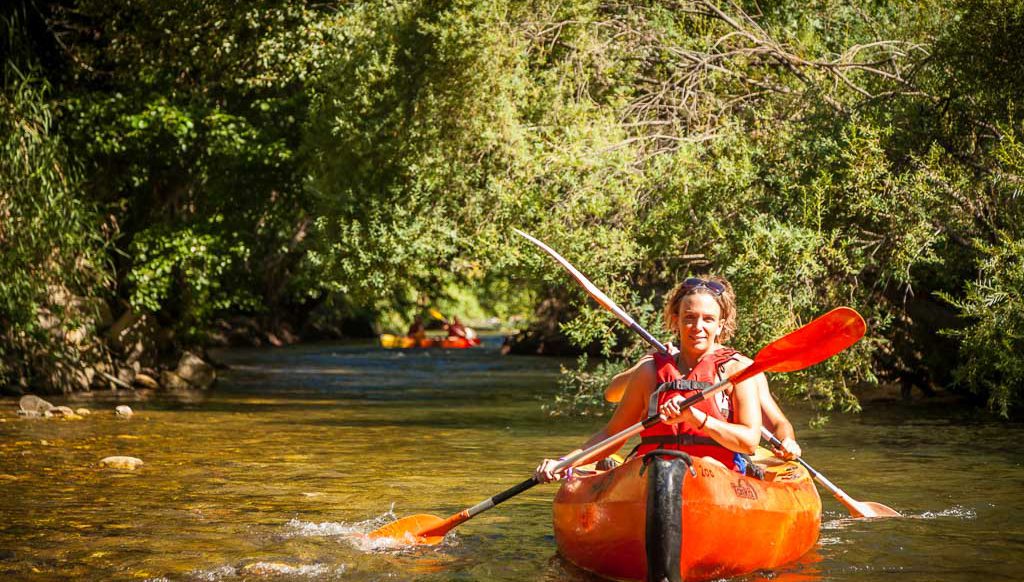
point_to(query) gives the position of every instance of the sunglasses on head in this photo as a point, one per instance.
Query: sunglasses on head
(714, 287)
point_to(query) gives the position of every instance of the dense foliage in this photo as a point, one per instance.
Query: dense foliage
(286, 158)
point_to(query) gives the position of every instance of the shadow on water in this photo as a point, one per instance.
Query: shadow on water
(273, 475)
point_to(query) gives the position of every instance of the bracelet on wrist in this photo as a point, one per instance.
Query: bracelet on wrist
(706, 416)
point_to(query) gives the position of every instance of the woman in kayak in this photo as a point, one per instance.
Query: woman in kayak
(772, 416)
(456, 329)
(702, 314)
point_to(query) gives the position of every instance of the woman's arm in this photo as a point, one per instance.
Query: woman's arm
(774, 419)
(617, 387)
(637, 382)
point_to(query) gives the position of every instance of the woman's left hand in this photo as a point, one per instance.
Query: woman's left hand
(789, 451)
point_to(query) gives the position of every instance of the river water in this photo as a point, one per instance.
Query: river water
(272, 476)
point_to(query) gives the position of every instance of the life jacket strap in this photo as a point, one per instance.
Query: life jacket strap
(679, 439)
(679, 384)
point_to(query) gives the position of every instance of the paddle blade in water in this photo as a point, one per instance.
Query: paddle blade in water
(819, 340)
(415, 529)
(872, 509)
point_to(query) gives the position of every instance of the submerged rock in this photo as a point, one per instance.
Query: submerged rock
(60, 411)
(121, 462)
(32, 406)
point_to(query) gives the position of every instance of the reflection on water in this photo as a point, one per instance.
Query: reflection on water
(277, 473)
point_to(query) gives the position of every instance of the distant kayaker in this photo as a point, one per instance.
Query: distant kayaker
(457, 329)
(417, 330)
(702, 314)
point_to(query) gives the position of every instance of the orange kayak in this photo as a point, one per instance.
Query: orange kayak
(388, 340)
(710, 523)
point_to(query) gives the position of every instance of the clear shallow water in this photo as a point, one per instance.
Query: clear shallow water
(273, 475)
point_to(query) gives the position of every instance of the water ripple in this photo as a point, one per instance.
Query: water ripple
(269, 569)
(957, 511)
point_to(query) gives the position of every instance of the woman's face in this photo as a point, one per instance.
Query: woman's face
(699, 322)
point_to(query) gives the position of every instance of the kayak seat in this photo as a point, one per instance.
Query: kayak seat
(748, 467)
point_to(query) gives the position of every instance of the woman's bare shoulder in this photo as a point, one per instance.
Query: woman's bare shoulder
(737, 363)
(632, 380)
(646, 362)
(644, 373)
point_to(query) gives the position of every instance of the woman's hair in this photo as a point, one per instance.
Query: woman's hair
(726, 302)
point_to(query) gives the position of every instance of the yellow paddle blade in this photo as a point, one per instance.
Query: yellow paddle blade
(436, 314)
(415, 529)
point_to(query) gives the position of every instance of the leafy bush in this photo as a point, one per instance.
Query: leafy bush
(993, 338)
(51, 241)
(374, 157)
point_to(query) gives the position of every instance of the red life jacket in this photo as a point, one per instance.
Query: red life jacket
(682, 436)
(456, 330)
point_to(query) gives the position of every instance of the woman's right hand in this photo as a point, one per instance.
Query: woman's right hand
(545, 472)
(673, 413)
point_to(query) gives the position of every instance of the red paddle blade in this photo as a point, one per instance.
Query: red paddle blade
(415, 529)
(819, 340)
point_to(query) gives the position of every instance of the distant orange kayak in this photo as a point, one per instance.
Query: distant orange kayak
(388, 340)
(716, 524)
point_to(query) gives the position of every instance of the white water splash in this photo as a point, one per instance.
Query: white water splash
(215, 574)
(367, 544)
(957, 511)
(278, 569)
(269, 569)
(355, 533)
(339, 528)
(328, 529)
